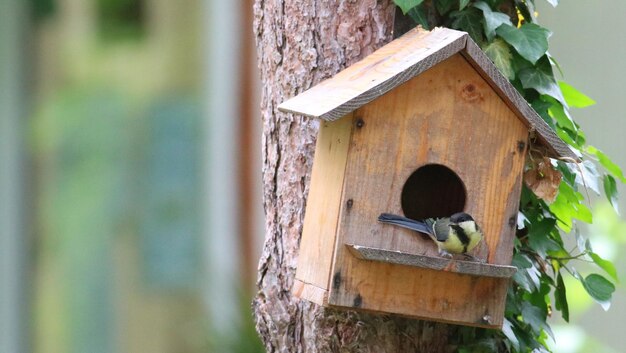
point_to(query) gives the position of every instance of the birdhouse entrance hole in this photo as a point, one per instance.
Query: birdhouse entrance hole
(432, 191)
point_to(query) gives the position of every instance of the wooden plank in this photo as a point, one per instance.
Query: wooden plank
(516, 102)
(427, 294)
(472, 268)
(377, 74)
(310, 292)
(323, 203)
(447, 115)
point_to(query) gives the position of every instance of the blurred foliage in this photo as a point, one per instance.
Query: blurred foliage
(81, 136)
(247, 341)
(121, 19)
(42, 8)
(167, 177)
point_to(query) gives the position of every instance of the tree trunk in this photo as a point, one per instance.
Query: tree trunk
(300, 43)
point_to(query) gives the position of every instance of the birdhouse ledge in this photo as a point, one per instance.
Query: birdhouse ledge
(471, 268)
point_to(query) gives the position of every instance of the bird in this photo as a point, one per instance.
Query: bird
(457, 234)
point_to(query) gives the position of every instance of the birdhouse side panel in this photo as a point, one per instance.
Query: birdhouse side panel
(322, 210)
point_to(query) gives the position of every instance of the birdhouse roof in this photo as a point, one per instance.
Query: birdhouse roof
(404, 58)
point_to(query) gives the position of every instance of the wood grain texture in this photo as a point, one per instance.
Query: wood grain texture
(516, 102)
(472, 268)
(323, 204)
(377, 74)
(426, 294)
(447, 115)
(310, 292)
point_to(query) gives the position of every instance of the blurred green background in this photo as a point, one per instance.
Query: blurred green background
(130, 211)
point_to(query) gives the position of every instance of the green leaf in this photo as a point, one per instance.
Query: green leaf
(533, 316)
(539, 237)
(606, 265)
(469, 20)
(444, 6)
(541, 79)
(419, 14)
(586, 175)
(562, 117)
(463, 4)
(574, 97)
(541, 107)
(498, 51)
(521, 261)
(560, 298)
(556, 64)
(507, 329)
(568, 205)
(406, 5)
(610, 190)
(492, 20)
(599, 288)
(607, 163)
(530, 40)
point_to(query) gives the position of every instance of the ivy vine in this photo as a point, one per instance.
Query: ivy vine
(508, 33)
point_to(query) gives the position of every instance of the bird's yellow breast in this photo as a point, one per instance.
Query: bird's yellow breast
(454, 245)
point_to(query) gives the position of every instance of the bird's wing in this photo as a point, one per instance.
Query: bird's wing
(442, 229)
(406, 223)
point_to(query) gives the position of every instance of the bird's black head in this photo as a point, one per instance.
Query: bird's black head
(460, 217)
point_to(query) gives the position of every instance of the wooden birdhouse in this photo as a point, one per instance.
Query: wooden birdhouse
(426, 126)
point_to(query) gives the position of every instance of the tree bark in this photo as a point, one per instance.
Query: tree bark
(299, 43)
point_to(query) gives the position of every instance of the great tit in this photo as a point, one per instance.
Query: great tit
(457, 234)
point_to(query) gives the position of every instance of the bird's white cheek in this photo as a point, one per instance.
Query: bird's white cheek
(468, 226)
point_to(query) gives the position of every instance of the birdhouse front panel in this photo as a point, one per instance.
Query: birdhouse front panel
(424, 127)
(450, 121)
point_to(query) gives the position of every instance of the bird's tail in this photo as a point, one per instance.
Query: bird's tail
(406, 223)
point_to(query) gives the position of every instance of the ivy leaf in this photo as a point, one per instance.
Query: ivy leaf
(492, 20)
(533, 316)
(606, 265)
(507, 329)
(562, 116)
(568, 206)
(607, 163)
(521, 261)
(419, 15)
(469, 20)
(556, 64)
(541, 79)
(406, 5)
(498, 51)
(541, 107)
(444, 6)
(574, 97)
(539, 237)
(560, 298)
(599, 288)
(610, 190)
(462, 4)
(586, 175)
(530, 40)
